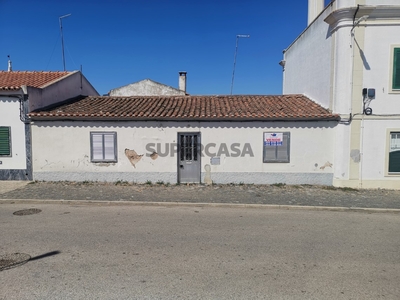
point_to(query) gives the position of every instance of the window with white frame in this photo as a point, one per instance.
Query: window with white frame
(395, 74)
(276, 147)
(103, 146)
(5, 141)
(394, 152)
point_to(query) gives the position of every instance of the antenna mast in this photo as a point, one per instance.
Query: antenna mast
(62, 38)
(234, 61)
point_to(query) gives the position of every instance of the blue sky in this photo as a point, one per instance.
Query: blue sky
(123, 41)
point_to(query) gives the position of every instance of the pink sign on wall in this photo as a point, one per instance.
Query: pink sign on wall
(273, 139)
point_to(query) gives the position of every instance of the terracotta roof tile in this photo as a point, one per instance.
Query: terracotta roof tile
(15, 79)
(248, 107)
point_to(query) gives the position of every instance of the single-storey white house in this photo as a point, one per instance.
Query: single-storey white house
(20, 93)
(349, 57)
(185, 139)
(148, 87)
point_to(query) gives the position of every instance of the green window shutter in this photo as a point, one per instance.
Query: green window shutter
(396, 69)
(394, 162)
(394, 153)
(5, 143)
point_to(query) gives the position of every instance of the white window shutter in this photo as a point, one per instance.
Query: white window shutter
(109, 148)
(97, 147)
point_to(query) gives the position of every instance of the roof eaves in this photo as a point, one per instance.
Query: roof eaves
(10, 88)
(91, 117)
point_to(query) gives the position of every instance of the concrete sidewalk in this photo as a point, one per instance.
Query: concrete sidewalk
(274, 196)
(7, 186)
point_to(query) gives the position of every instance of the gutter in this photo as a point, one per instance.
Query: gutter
(24, 105)
(121, 119)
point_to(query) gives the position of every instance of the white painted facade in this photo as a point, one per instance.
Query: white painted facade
(145, 87)
(67, 87)
(337, 61)
(69, 157)
(15, 104)
(9, 117)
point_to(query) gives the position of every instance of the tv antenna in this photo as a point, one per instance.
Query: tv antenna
(234, 61)
(62, 38)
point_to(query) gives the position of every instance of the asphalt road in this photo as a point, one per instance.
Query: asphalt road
(143, 252)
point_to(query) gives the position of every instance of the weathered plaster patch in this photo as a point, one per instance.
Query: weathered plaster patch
(355, 155)
(154, 155)
(46, 164)
(104, 164)
(133, 157)
(327, 164)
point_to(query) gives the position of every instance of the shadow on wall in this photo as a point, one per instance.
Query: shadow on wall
(184, 125)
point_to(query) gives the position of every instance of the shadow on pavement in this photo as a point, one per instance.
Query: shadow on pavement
(52, 253)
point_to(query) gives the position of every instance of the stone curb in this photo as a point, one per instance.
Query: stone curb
(191, 204)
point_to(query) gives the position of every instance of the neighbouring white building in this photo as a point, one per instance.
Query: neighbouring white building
(199, 139)
(148, 87)
(349, 61)
(20, 93)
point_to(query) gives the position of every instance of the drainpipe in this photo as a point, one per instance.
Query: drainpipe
(24, 105)
(355, 23)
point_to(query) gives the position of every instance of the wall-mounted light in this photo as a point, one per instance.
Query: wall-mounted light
(358, 21)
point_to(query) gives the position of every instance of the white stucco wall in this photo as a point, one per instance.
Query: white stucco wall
(372, 44)
(371, 157)
(342, 152)
(319, 63)
(375, 149)
(342, 73)
(377, 51)
(68, 87)
(10, 117)
(307, 63)
(145, 88)
(68, 155)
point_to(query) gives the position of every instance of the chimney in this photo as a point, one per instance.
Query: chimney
(182, 81)
(315, 7)
(9, 64)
